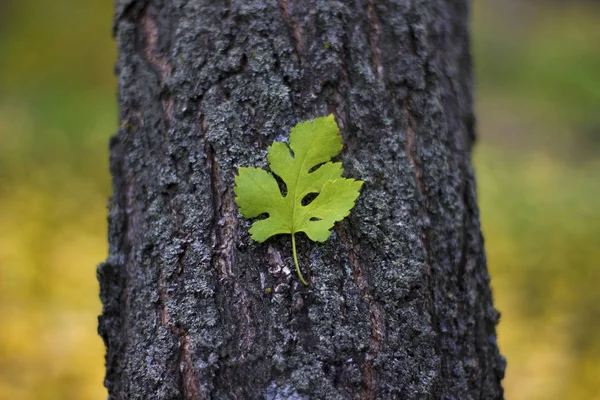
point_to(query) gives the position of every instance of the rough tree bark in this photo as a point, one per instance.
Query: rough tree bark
(399, 304)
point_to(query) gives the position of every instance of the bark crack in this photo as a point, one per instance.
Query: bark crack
(224, 219)
(374, 35)
(223, 258)
(159, 63)
(247, 328)
(190, 387)
(412, 153)
(150, 31)
(376, 320)
(295, 30)
(227, 9)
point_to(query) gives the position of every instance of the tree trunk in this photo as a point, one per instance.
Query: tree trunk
(399, 304)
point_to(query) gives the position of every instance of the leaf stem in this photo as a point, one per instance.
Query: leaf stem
(296, 261)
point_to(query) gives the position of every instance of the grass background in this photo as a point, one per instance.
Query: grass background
(537, 162)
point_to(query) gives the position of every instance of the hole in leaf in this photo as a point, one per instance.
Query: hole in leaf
(309, 198)
(315, 219)
(281, 184)
(263, 216)
(316, 167)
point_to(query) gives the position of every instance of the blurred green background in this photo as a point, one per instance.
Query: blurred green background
(537, 162)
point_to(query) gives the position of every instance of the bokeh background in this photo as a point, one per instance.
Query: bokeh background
(537, 161)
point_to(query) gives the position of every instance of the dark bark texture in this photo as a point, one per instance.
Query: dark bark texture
(399, 304)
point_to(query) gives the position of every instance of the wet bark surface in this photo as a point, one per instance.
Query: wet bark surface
(399, 304)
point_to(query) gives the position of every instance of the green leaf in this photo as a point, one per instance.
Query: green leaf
(257, 192)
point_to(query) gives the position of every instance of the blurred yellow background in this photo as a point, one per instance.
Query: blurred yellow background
(537, 161)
